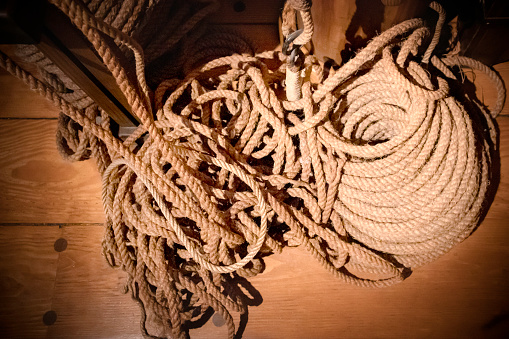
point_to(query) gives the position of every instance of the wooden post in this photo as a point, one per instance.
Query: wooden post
(344, 26)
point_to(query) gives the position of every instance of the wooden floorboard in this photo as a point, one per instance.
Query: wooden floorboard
(260, 37)
(248, 12)
(18, 101)
(463, 294)
(503, 70)
(88, 297)
(28, 268)
(485, 90)
(37, 185)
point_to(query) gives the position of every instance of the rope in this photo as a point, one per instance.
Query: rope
(438, 29)
(294, 76)
(375, 170)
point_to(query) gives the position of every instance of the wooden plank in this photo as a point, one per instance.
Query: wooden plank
(88, 296)
(18, 101)
(329, 38)
(261, 37)
(248, 11)
(350, 24)
(448, 297)
(484, 87)
(463, 294)
(488, 93)
(67, 48)
(503, 70)
(407, 9)
(37, 185)
(28, 269)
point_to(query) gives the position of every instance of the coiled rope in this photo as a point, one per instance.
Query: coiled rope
(380, 167)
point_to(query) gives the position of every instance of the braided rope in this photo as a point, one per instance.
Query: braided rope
(375, 170)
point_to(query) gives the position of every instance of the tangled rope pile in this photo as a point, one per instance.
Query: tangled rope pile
(382, 166)
(173, 34)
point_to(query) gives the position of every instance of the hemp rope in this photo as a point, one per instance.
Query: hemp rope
(379, 168)
(172, 33)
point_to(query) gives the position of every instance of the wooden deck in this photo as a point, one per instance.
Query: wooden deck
(55, 283)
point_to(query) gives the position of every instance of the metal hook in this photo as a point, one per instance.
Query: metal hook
(293, 56)
(289, 39)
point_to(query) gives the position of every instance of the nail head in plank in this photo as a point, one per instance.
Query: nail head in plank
(28, 268)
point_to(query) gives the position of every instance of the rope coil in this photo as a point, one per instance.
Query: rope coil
(377, 169)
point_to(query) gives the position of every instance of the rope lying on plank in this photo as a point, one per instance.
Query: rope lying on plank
(381, 166)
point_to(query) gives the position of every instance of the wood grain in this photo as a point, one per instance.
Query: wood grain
(344, 26)
(18, 101)
(28, 268)
(37, 185)
(503, 70)
(332, 19)
(484, 86)
(463, 294)
(248, 12)
(88, 294)
(261, 37)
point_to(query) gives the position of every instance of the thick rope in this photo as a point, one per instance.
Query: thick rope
(377, 169)
(294, 74)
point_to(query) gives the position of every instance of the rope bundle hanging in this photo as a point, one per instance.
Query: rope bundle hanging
(379, 167)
